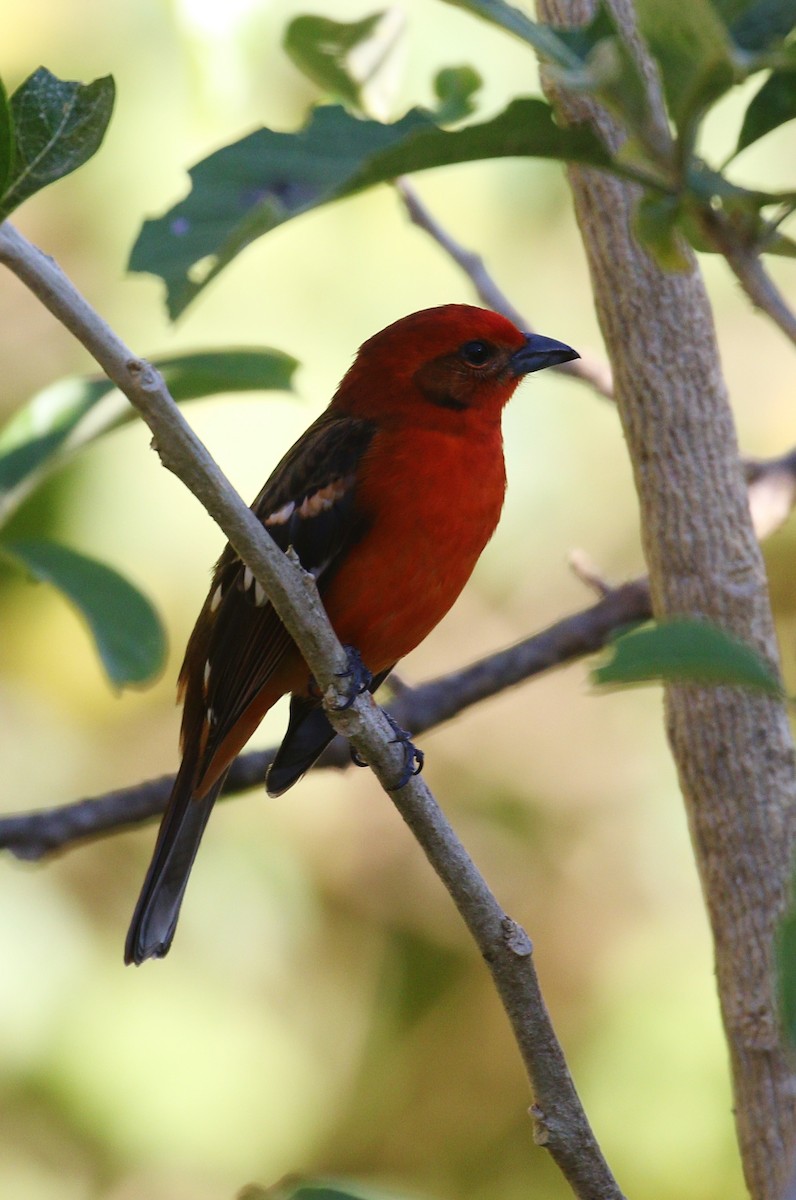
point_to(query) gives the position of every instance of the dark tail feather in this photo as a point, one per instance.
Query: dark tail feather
(158, 908)
(308, 735)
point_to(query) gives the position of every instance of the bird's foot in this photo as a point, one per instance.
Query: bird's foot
(413, 758)
(358, 676)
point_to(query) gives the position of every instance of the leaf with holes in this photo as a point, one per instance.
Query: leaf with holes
(251, 187)
(346, 59)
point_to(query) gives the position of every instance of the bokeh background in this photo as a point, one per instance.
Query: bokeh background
(322, 1010)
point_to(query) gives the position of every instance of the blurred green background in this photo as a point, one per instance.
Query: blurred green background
(322, 1010)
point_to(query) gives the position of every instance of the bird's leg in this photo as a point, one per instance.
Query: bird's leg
(358, 675)
(413, 758)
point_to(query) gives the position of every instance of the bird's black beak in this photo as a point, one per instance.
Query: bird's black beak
(540, 352)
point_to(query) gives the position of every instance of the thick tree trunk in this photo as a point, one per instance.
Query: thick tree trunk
(733, 749)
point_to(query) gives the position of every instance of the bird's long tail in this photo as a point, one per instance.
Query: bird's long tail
(158, 908)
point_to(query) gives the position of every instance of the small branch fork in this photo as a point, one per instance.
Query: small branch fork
(747, 266)
(561, 1124)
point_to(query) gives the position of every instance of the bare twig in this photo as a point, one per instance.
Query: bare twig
(585, 569)
(561, 1123)
(747, 266)
(771, 486)
(595, 372)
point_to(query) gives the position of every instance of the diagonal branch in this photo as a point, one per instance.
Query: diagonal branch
(561, 1124)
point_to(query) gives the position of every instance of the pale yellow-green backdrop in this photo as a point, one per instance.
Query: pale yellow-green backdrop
(322, 1010)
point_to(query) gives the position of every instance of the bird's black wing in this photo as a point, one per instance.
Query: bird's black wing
(238, 642)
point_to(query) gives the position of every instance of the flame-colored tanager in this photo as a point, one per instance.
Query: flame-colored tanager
(388, 499)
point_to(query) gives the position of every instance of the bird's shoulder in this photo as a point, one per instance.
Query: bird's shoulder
(308, 500)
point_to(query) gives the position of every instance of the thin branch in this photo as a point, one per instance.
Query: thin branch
(771, 487)
(593, 371)
(561, 1124)
(33, 835)
(585, 569)
(747, 266)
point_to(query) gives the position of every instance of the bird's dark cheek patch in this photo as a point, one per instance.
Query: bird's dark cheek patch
(444, 384)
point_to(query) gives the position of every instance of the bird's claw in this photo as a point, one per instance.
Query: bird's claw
(359, 677)
(413, 758)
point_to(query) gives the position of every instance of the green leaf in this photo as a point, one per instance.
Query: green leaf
(6, 139)
(709, 191)
(53, 422)
(757, 26)
(593, 58)
(58, 126)
(40, 429)
(695, 55)
(251, 187)
(685, 651)
(454, 88)
(779, 244)
(656, 225)
(526, 129)
(206, 373)
(324, 1192)
(343, 58)
(126, 629)
(544, 40)
(770, 107)
(750, 228)
(606, 68)
(307, 1189)
(786, 970)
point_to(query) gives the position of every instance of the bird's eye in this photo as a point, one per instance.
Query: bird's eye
(477, 354)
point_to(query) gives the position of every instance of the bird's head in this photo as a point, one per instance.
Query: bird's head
(454, 359)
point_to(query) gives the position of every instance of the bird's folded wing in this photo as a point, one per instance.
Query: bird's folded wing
(238, 643)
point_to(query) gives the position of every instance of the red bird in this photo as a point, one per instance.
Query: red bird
(389, 499)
